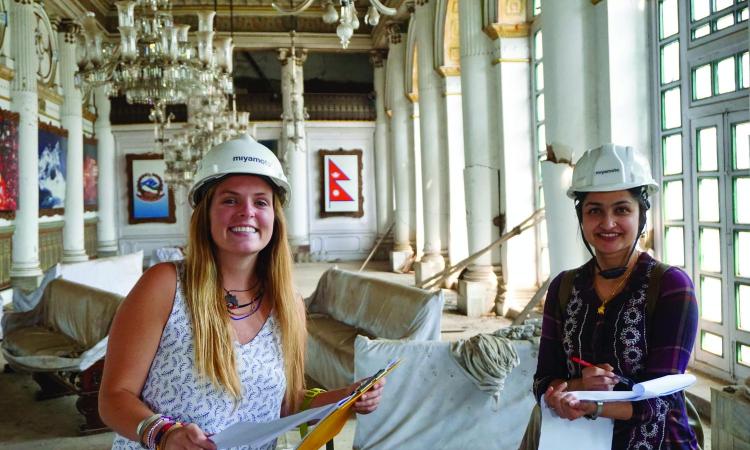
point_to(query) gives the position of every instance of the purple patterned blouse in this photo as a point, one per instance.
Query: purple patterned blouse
(620, 338)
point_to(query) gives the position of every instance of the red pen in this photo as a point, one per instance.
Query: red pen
(623, 379)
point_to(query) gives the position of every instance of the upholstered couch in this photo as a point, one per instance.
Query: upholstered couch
(347, 304)
(431, 401)
(62, 342)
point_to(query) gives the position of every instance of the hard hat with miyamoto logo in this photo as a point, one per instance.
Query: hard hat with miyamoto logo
(242, 155)
(611, 168)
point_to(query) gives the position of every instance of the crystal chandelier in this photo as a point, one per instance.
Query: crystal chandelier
(154, 63)
(347, 17)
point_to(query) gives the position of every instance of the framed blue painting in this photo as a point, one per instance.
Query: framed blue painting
(150, 199)
(53, 171)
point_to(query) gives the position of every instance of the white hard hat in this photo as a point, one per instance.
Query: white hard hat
(611, 168)
(242, 155)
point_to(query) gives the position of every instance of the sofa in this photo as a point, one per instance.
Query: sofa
(431, 401)
(62, 342)
(348, 304)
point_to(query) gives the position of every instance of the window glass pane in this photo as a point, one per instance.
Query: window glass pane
(707, 157)
(538, 51)
(708, 200)
(672, 150)
(703, 30)
(742, 200)
(674, 246)
(710, 250)
(702, 82)
(712, 343)
(670, 62)
(537, 7)
(539, 76)
(671, 109)
(673, 200)
(721, 4)
(725, 22)
(725, 76)
(742, 254)
(700, 9)
(741, 145)
(669, 18)
(743, 354)
(711, 299)
(745, 70)
(743, 15)
(541, 139)
(743, 308)
(540, 107)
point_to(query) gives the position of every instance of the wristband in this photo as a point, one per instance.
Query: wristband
(595, 415)
(310, 395)
(143, 425)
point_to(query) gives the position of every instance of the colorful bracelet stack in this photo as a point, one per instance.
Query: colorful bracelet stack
(152, 431)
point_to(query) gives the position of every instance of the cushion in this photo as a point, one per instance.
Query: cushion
(330, 351)
(117, 274)
(39, 341)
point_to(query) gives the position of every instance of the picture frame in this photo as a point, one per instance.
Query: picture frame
(8, 164)
(90, 174)
(53, 169)
(341, 183)
(150, 199)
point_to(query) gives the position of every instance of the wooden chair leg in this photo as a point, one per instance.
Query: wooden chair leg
(87, 384)
(329, 445)
(51, 386)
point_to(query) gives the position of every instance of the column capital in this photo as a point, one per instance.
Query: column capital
(378, 57)
(70, 28)
(395, 33)
(25, 2)
(410, 6)
(422, 2)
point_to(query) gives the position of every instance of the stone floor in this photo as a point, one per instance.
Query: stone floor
(53, 424)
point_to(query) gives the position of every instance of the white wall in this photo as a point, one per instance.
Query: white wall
(334, 238)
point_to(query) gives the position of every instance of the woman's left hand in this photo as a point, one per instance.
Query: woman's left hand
(564, 404)
(369, 401)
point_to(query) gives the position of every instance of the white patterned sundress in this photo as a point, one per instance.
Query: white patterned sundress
(173, 388)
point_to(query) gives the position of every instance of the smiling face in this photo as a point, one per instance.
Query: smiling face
(242, 215)
(610, 222)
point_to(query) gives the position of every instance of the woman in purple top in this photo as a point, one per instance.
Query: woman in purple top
(605, 320)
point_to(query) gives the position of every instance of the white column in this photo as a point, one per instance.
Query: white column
(517, 166)
(72, 120)
(106, 229)
(400, 112)
(416, 213)
(429, 132)
(384, 195)
(293, 147)
(453, 151)
(25, 270)
(478, 90)
(567, 48)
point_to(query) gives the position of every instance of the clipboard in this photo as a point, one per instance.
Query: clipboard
(331, 425)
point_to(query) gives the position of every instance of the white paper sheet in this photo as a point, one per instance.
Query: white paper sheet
(582, 434)
(642, 391)
(256, 434)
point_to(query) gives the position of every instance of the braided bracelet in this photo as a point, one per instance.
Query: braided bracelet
(161, 442)
(151, 435)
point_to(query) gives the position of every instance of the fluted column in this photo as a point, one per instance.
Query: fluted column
(106, 229)
(25, 270)
(566, 44)
(293, 147)
(72, 120)
(429, 123)
(478, 89)
(383, 185)
(400, 112)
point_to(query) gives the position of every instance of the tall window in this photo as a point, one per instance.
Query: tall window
(703, 162)
(540, 139)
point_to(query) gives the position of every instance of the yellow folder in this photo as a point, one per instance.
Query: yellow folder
(331, 425)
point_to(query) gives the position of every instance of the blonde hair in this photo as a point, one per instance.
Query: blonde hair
(213, 337)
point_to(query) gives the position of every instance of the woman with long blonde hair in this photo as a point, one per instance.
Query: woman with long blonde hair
(219, 338)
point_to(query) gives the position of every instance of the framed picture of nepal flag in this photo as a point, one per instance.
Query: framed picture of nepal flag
(341, 179)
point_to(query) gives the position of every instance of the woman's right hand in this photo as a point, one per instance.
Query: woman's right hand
(189, 437)
(598, 378)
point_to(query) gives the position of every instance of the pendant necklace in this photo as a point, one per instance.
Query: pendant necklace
(600, 310)
(232, 303)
